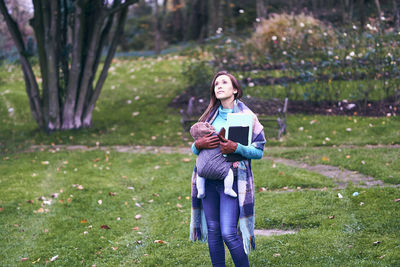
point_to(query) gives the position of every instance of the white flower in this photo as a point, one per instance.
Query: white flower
(258, 19)
(284, 53)
(251, 84)
(325, 34)
(310, 31)
(283, 38)
(348, 57)
(352, 54)
(354, 27)
(302, 24)
(344, 34)
(274, 38)
(383, 18)
(241, 11)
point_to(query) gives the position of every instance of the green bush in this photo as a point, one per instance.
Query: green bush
(198, 75)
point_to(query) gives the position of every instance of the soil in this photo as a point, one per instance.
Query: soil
(387, 107)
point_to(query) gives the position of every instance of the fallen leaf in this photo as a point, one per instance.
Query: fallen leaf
(36, 261)
(1, 209)
(179, 205)
(261, 189)
(325, 158)
(376, 243)
(104, 226)
(138, 205)
(41, 210)
(112, 194)
(45, 163)
(160, 242)
(137, 217)
(277, 255)
(100, 201)
(332, 217)
(186, 159)
(24, 259)
(80, 187)
(84, 221)
(135, 228)
(156, 195)
(396, 200)
(54, 258)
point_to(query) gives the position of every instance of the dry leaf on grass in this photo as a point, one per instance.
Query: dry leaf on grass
(160, 242)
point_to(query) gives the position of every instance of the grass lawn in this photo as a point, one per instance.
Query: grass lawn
(380, 163)
(133, 110)
(157, 187)
(134, 209)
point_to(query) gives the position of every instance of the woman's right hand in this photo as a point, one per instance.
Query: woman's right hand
(207, 141)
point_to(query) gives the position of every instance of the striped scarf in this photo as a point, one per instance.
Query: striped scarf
(198, 225)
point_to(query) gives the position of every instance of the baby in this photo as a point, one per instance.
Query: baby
(211, 164)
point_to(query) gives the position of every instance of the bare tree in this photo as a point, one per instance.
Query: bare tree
(68, 65)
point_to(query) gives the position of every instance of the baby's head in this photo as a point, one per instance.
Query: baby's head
(201, 129)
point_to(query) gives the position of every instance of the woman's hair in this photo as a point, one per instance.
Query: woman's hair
(214, 102)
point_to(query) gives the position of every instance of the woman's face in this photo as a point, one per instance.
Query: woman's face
(223, 88)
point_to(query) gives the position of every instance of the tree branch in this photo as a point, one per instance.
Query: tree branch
(103, 75)
(32, 89)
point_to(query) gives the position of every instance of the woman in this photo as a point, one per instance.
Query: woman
(215, 218)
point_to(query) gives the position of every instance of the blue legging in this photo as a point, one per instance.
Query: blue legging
(222, 215)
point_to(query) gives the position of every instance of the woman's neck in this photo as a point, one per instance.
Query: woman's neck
(227, 103)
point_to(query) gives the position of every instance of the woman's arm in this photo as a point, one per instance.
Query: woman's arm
(249, 152)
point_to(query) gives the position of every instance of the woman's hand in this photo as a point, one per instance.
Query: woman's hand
(207, 141)
(227, 146)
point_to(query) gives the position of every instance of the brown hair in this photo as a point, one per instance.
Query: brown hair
(214, 102)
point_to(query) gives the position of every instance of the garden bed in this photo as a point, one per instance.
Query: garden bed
(380, 108)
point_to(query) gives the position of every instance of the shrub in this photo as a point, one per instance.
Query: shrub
(198, 74)
(284, 34)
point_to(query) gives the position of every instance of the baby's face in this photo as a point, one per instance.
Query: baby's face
(210, 127)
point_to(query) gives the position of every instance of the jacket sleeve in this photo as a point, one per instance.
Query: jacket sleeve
(195, 150)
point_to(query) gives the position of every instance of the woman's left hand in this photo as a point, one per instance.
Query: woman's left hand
(227, 146)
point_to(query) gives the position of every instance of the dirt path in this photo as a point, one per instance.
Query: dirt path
(341, 177)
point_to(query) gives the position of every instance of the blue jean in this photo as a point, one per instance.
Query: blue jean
(222, 215)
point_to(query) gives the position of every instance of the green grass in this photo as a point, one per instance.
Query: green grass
(147, 86)
(160, 183)
(132, 109)
(319, 130)
(380, 163)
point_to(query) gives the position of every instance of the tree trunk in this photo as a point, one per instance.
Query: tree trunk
(157, 33)
(68, 78)
(361, 10)
(396, 15)
(261, 9)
